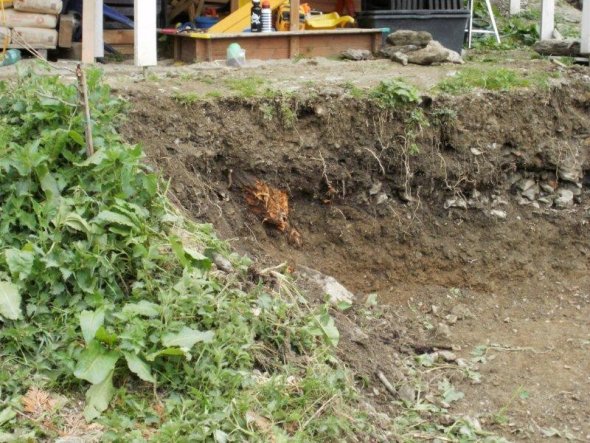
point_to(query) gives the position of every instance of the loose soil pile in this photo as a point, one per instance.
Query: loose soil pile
(440, 224)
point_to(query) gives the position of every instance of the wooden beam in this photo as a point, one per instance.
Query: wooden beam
(294, 15)
(547, 19)
(99, 25)
(146, 49)
(88, 31)
(514, 7)
(585, 44)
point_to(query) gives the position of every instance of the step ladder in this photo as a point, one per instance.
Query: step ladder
(471, 30)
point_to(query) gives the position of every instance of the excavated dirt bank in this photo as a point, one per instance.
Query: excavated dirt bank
(482, 204)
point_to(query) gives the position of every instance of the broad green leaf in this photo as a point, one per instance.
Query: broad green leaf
(77, 137)
(49, 185)
(139, 367)
(6, 414)
(95, 363)
(143, 308)
(172, 352)
(103, 336)
(187, 337)
(328, 328)
(90, 321)
(110, 217)
(19, 262)
(98, 397)
(74, 221)
(10, 300)
(198, 259)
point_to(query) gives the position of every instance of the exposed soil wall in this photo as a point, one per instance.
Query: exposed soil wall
(374, 210)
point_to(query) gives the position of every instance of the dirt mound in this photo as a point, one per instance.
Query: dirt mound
(485, 194)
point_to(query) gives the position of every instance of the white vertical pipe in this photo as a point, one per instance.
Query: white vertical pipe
(88, 31)
(547, 19)
(585, 45)
(99, 29)
(146, 51)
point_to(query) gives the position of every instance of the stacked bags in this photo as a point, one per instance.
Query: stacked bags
(34, 21)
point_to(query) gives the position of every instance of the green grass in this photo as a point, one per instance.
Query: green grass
(494, 79)
(245, 87)
(185, 98)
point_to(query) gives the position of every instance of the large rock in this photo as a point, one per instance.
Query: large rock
(567, 47)
(433, 53)
(405, 37)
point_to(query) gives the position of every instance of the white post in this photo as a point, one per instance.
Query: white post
(514, 7)
(88, 31)
(585, 46)
(146, 51)
(99, 29)
(547, 19)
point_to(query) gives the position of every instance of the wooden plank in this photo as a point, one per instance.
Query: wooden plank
(119, 36)
(585, 43)
(547, 19)
(146, 50)
(124, 49)
(98, 29)
(293, 46)
(67, 23)
(88, 31)
(294, 15)
(514, 7)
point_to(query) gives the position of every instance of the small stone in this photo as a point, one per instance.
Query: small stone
(222, 263)
(443, 330)
(406, 393)
(475, 151)
(455, 203)
(376, 188)
(381, 198)
(357, 335)
(565, 198)
(461, 311)
(356, 54)
(406, 37)
(569, 173)
(545, 200)
(531, 193)
(546, 187)
(447, 356)
(524, 184)
(576, 190)
(388, 51)
(499, 214)
(434, 309)
(451, 319)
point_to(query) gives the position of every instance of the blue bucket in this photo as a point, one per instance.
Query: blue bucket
(205, 22)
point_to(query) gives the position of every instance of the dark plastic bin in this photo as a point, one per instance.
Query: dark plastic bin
(446, 26)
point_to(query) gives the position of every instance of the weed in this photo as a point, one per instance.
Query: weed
(354, 91)
(185, 98)
(495, 79)
(104, 287)
(395, 93)
(213, 94)
(245, 87)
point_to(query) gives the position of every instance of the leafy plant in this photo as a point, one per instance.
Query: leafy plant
(495, 79)
(104, 287)
(245, 87)
(395, 93)
(185, 98)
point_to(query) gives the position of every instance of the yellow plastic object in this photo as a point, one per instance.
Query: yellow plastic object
(328, 21)
(284, 17)
(238, 20)
(7, 3)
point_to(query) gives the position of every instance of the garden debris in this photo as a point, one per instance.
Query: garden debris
(269, 203)
(37, 402)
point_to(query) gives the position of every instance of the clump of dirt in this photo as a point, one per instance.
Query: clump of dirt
(483, 205)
